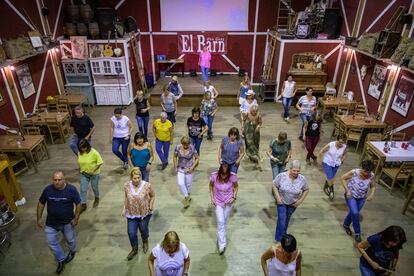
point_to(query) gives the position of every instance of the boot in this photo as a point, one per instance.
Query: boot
(96, 202)
(145, 246)
(133, 252)
(83, 208)
(326, 188)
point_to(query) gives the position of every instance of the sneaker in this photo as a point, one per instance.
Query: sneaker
(70, 257)
(287, 118)
(308, 162)
(125, 166)
(222, 250)
(96, 202)
(358, 238)
(133, 253)
(186, 203)
(145, 246)
(60, 267)
(331, 193)
(300, 138)
(164, 166)
(347, 230)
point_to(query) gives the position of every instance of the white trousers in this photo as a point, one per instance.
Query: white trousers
(222, 216)
(185, 183)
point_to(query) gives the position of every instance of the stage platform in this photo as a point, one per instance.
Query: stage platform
(226, 85)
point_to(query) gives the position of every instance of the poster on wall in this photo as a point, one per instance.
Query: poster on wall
(25, 80)
(79, 47)
(193, 43)
(377, 82)
(96, 50)
(403, 96)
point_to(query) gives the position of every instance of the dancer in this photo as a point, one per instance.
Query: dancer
(244, 87)
(288, 92)
(169, 104)
(138, 206)
(356, 183)
(231, 149)
(196, 128)
(120, 131)
(90, 162)
(164, 135)
(204, 62)
(290, 190)
(209, 109)
(223, 193)
(210, 89)
(60, 198)
(82, 127)
(142, 112)
(380, 252)
(175, 88)
(171, 255)
(312, 130)
(246, 105)
(251, 130)
(141, 155)
(185, 161)
(332, 155)
(285, 258)
(306, 105)
(280, 151)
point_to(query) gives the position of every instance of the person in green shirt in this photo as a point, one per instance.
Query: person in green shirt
(279, 152)
(90, 162)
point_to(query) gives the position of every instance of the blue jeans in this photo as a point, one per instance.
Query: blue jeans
(354, 205)
(366, 270)
(286, 105)
(133, 226)
(144, 173)
(204, 73)
(73, 143)
(84, 186)
(197, 143)
(162, 149)
(142, 123)
(209, 121)
(116, 143)
(284, 212)
(330, 172)
(276, 169)
(233, 167)
(171, 116)
(303, 118)
(53, 240)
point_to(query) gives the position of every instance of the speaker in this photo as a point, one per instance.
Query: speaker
(193, 73)
(242, 72)
(332, 23)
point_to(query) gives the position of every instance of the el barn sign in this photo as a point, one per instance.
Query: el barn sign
(193, 43)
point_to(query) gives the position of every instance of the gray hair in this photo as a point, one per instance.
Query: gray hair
(254, 107)
(163, 114)
(295, 164)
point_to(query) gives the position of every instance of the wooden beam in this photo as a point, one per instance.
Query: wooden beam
(384, 103)
(345, 72)
(14, 92)
(358, 18)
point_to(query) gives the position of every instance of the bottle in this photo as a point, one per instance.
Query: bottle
(19, 139)
(386, 147)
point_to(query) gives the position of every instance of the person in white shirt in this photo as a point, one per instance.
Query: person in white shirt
(332, 156)
(288, 93)
(171, 255)
(246, 104)
(210, 88)
(120, 133)
(306, 106)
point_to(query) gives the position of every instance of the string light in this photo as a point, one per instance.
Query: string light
(11, 67)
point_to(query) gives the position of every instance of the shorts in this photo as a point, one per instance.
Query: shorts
(330, 171)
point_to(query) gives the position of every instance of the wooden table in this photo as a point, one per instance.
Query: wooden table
(73, 99)
(8, 143)
(8, 185)
(40, 118)
(172, 62)
(333, 103)
(396, 154)
(360, 121)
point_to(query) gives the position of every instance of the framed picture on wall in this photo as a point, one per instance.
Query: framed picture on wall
(96, 50)
(25, 80)
(79, 45)
(377, 82)
(403, 96)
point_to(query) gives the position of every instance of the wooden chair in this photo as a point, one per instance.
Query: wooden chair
(53, 127)
(360, 110)
(354, 134)
(52, 106)
(337, 121)
(342, 110)
(12, 131)
(402, 173)
(398, 136)
(410, 196)
(42, 107)
(31, 130)
(17, 161)
(330, 89)
(26, 123)
(62, 108)
(388, 132)
(368, 153)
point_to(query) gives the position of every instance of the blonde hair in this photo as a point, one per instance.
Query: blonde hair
(171, 238)
(140, 93)
(185, 140)
(135, 171)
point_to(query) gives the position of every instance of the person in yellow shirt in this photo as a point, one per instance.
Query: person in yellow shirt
(90, 162)
(164, 134)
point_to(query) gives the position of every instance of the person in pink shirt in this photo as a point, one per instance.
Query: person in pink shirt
(223, 192)
(204, 62)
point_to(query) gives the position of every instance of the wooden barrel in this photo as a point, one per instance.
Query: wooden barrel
(73, 13)
(70, 29)
(81, 28)
(86, 13)
(93, 30)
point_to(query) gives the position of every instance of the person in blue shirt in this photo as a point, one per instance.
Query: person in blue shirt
(60, 198)
(175, 88)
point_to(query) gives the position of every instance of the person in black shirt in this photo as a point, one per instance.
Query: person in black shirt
(82, 128)
(196, 128)
(60, 198)
(142, 106)
(312, 130)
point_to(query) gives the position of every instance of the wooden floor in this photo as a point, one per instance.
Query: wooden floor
(102, 238)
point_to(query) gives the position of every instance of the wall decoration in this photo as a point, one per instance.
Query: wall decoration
(403, 96)
(79, 47)
(377, 82)
(2, 99)
(95, 50)
(25, 80)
